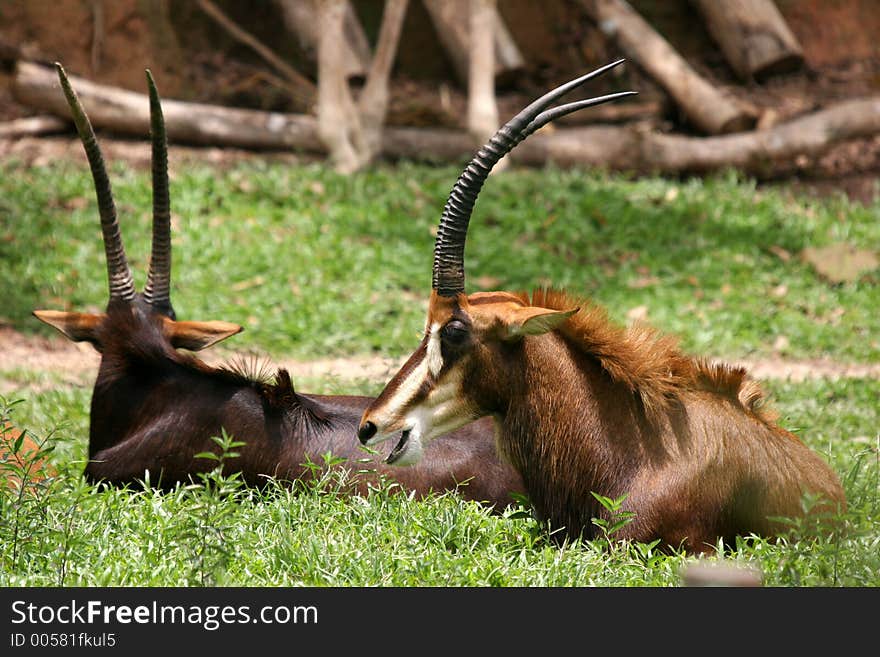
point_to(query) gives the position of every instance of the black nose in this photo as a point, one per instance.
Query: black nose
(367, 431)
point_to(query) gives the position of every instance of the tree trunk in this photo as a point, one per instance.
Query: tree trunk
(450, 18)
(707, 108)
(338, 121)
(373, 101)
(753, 36)
(301, 19)
(353, 132)
(482, 115)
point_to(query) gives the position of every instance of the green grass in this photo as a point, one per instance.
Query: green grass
(314, 264)
(70, 533)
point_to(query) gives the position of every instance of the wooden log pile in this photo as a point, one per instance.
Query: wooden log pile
(617, 147)
(753, 36)
(348, 123)
(707, 107)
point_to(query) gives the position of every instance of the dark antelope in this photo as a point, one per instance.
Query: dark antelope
(582, 406)
(155, 408)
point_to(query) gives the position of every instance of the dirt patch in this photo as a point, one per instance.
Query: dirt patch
(76, 364)
(807, 370)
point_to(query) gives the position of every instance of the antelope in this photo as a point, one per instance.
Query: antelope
(583, 407)
(154, 407)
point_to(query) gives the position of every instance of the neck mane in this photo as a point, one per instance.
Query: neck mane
(647, 363)
(133, 343)
(622, 411)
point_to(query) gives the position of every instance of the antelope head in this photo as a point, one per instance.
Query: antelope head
(470, 341)
(155, 300)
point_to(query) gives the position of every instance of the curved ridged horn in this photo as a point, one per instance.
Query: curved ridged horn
(448, 274)
(157, 290)
(118, 272)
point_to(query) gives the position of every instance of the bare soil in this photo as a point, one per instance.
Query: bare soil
(76, 364)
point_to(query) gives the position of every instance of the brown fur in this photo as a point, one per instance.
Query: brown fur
(647, 362)
(683, 438)
(154, 408)
(585, 406)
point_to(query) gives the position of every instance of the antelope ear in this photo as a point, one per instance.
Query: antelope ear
(198, 335)
(79, 327)
(527, 320)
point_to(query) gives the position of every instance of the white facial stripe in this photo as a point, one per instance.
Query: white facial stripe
(435, 354)
(388, 414)
(429, 422)
(442, 411)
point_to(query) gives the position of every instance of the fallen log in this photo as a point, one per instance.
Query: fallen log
(623, 148)
(706, 107)
(759, 153)
(754, 37)
(127, 112)
(32, 126)
(764, 154)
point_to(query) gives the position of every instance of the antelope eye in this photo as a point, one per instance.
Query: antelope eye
(454, 332)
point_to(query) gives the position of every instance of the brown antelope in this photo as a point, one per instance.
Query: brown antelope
(155, 408)
(582, 406)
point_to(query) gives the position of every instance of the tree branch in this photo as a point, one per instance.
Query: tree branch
(373, 102)
(300, 86)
